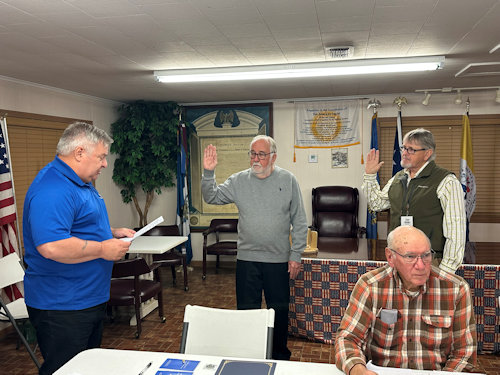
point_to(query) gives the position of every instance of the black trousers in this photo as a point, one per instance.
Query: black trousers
(254, 277)
(63, 334)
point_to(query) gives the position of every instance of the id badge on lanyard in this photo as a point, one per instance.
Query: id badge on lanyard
(407, 220)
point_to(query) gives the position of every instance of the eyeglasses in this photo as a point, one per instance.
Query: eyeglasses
(410, 150)
(261, 155)
(412, 258)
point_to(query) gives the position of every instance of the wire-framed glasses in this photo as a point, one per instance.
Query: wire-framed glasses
(261, 155)
(412, 258)
(411, 150)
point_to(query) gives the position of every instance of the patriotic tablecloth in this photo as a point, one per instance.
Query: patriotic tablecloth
(320, 294)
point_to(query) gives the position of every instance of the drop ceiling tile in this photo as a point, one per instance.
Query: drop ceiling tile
(178, 11)
(297, 33)
(108, 8)
(355, 24)
(11, 16)
(40, 8)
(259, 43)
(285, 21)
(248, 30)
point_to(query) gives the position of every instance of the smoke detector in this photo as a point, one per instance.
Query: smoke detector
(340, 52)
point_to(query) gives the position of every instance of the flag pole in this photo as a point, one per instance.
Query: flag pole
(3, 123)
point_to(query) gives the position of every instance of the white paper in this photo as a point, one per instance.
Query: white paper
(144, 229)
(406, 371)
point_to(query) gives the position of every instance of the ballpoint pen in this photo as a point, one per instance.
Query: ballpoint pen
(145, 368)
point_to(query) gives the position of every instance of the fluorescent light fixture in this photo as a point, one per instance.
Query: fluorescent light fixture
(301, 70)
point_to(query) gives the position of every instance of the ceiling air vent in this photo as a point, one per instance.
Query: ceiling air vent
(339, 53)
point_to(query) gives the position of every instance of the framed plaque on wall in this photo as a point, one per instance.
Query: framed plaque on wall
(230, 128)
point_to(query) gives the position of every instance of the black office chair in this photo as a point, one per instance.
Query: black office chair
(126, 291)
(172, 257)
(219, 247)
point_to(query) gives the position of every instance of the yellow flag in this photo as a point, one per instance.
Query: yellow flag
(467, 178)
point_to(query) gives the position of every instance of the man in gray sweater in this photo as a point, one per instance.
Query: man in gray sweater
(270, 208)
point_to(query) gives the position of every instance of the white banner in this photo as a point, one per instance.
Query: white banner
(327, 124)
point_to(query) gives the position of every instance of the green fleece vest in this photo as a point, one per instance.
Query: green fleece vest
(419, 199)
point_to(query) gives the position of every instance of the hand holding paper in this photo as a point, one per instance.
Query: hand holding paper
(143, 230)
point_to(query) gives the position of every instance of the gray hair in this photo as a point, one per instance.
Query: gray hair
(268, 139)
(394, 240)
(424, 138)
(81, 134)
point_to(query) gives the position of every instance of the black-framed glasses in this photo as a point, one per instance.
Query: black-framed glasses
(412, 258)
(261, 155)
(411, 150)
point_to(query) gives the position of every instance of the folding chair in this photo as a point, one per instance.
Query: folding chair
(232, 333)
(12, 272)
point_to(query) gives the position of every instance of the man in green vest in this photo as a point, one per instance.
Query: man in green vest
(424, 195)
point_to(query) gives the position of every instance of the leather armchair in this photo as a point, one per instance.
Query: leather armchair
(335, 214)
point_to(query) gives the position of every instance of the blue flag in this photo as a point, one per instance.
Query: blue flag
(371, 217)
(182, 192)
(398, 143)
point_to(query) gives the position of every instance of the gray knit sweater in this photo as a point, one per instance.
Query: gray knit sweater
(268, 208)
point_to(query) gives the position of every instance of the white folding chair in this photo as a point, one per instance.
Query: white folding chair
(12, 272)
(232, 333)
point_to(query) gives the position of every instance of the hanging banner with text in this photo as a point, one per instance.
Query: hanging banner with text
(327, 124)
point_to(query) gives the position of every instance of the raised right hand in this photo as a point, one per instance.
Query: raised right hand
(373, 164)
(114, 249)
(210, 158)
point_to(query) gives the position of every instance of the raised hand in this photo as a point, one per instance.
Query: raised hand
(373, 163)
(210, 158)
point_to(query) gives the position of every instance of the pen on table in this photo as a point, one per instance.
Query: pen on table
(145, 368)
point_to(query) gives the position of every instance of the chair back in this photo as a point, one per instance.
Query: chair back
(224, 225)
(11, 270)
(335, 211)
(130, 267)
(223, 332)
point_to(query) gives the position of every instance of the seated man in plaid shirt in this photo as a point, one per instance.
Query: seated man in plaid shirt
(408, 313)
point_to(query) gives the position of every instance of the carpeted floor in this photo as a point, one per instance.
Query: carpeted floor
(216, 291)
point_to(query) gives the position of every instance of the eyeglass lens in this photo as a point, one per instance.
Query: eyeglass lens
(260, 155)
(426, 258)
(410, 150)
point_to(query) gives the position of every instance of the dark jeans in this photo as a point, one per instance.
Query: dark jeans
(273, 278)
(63, 334)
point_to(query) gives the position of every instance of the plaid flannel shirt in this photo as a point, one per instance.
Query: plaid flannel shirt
(435, 327)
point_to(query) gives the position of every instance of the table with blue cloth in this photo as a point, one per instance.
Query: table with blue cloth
(320, 294)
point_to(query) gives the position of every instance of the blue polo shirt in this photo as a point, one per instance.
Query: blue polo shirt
(59, 205)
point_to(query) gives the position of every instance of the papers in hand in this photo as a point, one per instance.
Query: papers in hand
(144, 229)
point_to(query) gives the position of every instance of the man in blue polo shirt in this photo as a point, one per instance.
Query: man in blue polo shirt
(70, 247)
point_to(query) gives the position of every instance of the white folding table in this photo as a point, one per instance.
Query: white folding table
(131, 362)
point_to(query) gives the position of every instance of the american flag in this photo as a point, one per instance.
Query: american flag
(8, 236)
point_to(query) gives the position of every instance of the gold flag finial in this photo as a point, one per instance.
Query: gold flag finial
(399, 101)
